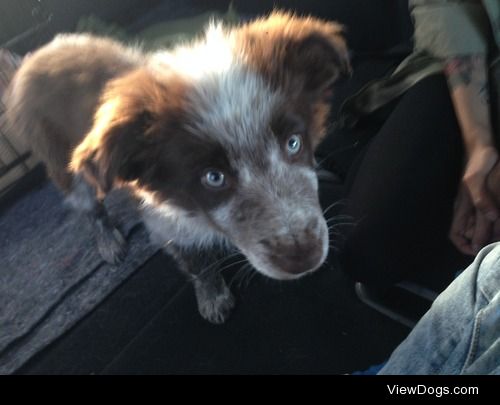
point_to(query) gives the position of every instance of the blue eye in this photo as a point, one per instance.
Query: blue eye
(214, 179)
(294, 144)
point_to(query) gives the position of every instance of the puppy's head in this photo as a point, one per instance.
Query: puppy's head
(229, 141)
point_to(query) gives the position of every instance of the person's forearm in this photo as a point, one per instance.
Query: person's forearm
(468, 83)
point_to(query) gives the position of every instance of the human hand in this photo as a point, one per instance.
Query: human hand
(470, 229)
(480, 163)
(474, 224)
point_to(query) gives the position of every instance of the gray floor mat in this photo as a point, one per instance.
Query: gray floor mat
(51, 274)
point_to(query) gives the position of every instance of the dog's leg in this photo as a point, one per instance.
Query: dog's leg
(110, 242)
(215, 300)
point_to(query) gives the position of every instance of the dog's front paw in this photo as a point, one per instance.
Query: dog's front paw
(112, 246)
(215, 308)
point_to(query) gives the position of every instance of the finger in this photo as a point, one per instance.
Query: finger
(463, 211)
(471, 225)
(461, 243)
(482, 232)
(462, 226)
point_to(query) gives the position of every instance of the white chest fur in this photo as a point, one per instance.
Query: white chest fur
(167, 224)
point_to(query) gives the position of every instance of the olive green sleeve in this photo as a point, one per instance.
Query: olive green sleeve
(447, 29)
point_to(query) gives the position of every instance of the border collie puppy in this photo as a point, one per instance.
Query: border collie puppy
(216, 137)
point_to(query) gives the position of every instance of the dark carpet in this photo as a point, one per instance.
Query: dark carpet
(313, 326)
(51, 274)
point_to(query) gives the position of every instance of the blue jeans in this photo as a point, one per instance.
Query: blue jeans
(460, 334)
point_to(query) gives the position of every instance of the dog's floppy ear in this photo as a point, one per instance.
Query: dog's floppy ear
(113, 151)
(296, 52)
(122, 145)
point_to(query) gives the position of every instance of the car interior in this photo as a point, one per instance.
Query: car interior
(64, 311)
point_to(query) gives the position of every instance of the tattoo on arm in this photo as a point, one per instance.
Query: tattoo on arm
(459, 71)
(467, 78)
(468, 71)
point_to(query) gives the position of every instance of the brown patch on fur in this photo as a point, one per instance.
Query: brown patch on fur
(301, 55)
(295, 51)
(125, 130)
(139, 137)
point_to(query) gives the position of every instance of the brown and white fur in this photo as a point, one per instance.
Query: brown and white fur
(216, 136)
